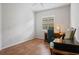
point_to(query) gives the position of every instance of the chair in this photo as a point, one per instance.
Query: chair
(72, 34)
(50, 35)
(71, 37)
(63, 36)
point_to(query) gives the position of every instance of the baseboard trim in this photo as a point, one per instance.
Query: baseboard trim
(17, 43)
(39, 38)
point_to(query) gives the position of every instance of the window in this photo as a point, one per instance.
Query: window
(48, 22)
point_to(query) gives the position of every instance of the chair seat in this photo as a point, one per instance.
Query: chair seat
(68, 41)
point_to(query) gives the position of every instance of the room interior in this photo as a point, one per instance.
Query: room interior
(39, 28)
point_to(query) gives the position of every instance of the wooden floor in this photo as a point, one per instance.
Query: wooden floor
(32, 47)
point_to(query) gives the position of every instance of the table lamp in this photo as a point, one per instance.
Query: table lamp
(59, 29)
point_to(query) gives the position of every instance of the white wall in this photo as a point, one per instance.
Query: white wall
(0, 26)
(61, 14)
(75, 19)
(17, 24)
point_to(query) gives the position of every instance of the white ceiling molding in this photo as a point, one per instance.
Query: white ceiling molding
(45, 6)
(35, 4)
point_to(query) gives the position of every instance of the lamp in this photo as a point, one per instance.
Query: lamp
(59, 29)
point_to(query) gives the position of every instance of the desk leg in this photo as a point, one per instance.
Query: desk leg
(51, 51)
(45, 36)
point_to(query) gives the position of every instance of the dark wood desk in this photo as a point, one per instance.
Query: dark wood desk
(56, 35)
(59, 35)
(61, 52)
(61, 48)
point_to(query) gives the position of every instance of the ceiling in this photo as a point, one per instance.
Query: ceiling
(44, 6)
